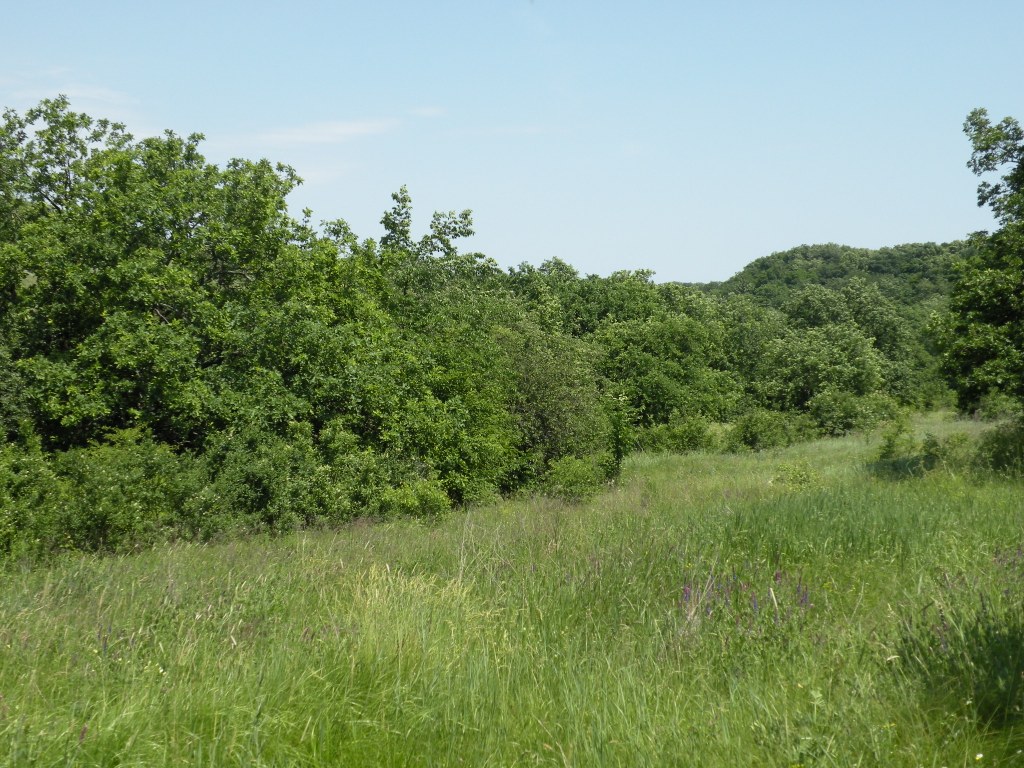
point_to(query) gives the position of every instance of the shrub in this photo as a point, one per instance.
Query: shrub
(419, 498)
(951, 453)
(1002, 449)
(125, 493)
(573, 479)
(997, 405)
(556, 404)
(761, 429)
(838, 412)
(681, 434)
(897, 441)
(795, 476)
(14, 412)
(262, 480)
(32, 501)
(900, 455)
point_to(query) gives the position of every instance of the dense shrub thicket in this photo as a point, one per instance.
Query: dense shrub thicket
(179, 356)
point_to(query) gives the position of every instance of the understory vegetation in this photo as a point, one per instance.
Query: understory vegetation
(813, 605)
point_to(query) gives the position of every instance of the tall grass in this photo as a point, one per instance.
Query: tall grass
(773, 609)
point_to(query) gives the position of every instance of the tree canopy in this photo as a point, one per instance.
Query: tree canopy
(983, 335)
(180, 356)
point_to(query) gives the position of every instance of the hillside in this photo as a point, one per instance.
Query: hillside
(908, 274)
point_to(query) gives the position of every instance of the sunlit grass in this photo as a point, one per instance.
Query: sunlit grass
(709, 610)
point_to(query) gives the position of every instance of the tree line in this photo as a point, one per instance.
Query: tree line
(181, 357)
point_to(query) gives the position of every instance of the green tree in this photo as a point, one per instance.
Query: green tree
(670, 364)
(815, 305)
(803, 364)
(982, 337)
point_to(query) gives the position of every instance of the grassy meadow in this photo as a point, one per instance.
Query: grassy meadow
(791, 607)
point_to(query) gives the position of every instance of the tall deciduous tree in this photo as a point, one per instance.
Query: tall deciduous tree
(983, 335)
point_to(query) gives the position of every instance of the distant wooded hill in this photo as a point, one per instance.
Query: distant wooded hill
(908, 274)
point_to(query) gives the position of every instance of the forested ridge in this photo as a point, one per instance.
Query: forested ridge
(906, 274)
(180, 356)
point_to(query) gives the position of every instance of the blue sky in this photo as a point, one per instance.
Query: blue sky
(688, 138)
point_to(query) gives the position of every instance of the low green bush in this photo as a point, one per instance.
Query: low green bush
(1002, 449)
(32, 503)
(796, 476)
(761, 429)
(999, 449)
(420, 498)
(125, 493)
(899, 449)
(262, 480)
(996, 406)
(837, 412)
(114, 496)
(574, 479)
(953, 453)
(679, 435)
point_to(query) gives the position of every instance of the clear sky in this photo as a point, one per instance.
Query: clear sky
(685, 137)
